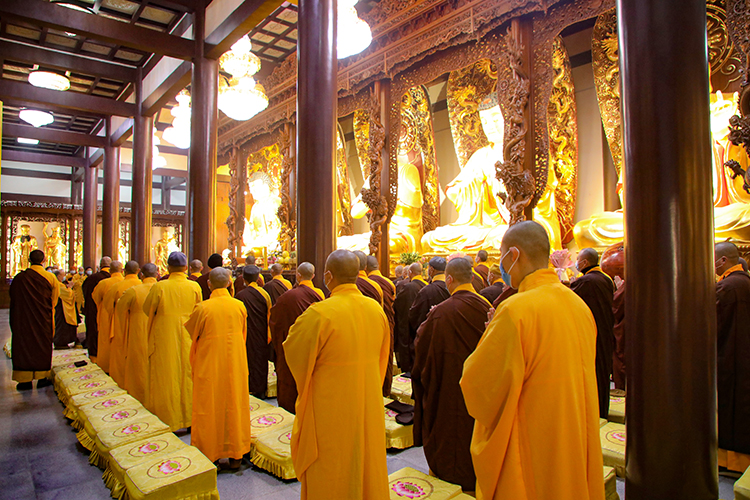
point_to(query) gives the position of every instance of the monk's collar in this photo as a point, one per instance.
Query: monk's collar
(105, 269)
(498, 280)
(131, 276)
(344, 288)
(362, 274)
(587, 270)
(419, 278)
(254, 284)
(307, 283)
(149, 280)
(376, 272)
(197, 275)
(116, 274)
(597, 268)
(37, 267)
(278, 277)
(219, 292)
(538, 278)
(177, 275)
(731, 270)
(438, 277)
(466, 287)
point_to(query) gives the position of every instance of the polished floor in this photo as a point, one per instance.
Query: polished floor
(41, 459)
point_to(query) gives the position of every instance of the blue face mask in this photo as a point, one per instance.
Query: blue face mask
(506, 274)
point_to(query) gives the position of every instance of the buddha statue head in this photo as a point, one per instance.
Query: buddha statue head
(165, 235)
(260, 186)
(492, 120)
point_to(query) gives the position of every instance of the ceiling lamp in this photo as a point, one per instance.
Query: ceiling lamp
(157, 161)
(240, 60)
(49, 80)
(35, 117)
(74, 5)
(179, 133)
(30, 142)
(241, 99)
(353, 34)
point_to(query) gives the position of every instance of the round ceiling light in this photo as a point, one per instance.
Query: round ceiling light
(35, 117)
(49, 80)
(74, 5)
(30, 142)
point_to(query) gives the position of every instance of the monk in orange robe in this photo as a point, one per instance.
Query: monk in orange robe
(104, 313)
(33, 295)
(116, 346)
(367, 286)
(389, 295)
(339, 346)
(283, 315)
(406, 293)
(277, 285)
(447, 337)
(221, 422)
(530, 385)
(258, 305)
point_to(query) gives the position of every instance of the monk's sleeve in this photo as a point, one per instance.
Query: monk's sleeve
(492, 380)
(122, 318)
(55, 294)
(385, 346)
(98, 294)
(194, 327)
(150, 308)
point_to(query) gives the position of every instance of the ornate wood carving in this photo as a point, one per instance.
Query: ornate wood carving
(234, 188)
(286, 211)
(372, 196)
(738, 24)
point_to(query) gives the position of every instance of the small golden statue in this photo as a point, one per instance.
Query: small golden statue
(54, 248)
(20, 249)
(163, 248)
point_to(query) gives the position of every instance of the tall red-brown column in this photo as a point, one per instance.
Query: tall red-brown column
(201, 189)
(90, 179)
(316, 128)
(111, 198)
(140, 224)
(670, 323)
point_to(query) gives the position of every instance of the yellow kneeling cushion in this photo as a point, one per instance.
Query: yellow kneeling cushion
(617, 406)
(96, 421)
(269, 420)
(610, 484)
(76, 402)
(272, 381)
(613, 447)
(273, 452)
(414, 485)
(68, 391)
(401, 390)
(396, 435)
(258, 405)
(179, 475)
(69, 377)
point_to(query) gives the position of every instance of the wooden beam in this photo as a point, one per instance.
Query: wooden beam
(237, 24)
(96, 159)
(36, 174)
(163, 148)
(43, 158)
(18, 92)
(34, 198)
(122, 134)
(63, 61)
(53, 136)
(187, 5)
(178, 80)
(44, 14)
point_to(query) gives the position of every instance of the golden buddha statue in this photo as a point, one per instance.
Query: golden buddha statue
(55, 250)
(165, 246)
(482, 217)
(262, 228)
(22, 246)
(731, 202)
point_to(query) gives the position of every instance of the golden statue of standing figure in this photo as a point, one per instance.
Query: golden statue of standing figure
(262, 229)
(22, 246)
(162, 249)
(54, 248)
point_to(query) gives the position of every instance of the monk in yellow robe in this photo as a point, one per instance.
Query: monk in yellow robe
(340, 346)
(66, 316)
(132, 326)
(115, 347)
(78, 280)
(168, 306)
(104, 313)
(531, 387)
(221, 420)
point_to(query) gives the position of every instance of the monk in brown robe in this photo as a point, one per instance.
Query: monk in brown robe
(66, 315)
(389, 295)
(258, 305)
(497, 286)
(277, 285)
(283, 315)
(406, 293)
(366, 286)
(196, 270)
(448, 336)
(431, 295)
(480, 279)
(597, 290)
(213, 262)
(398, 274)
(89, 306)
(618, 359)
(733, 349)
(508, 292)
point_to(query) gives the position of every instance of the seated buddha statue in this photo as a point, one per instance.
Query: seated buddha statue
(731, 202)
(263, 226)
(482, 218)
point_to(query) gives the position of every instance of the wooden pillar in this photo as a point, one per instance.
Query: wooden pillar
(383, 88)
(72, 242)
(140, 222)
(522, 32)
(4, 245)
(670, 299)
(111, 198)
(316, 132)
(90, 185)
(201, 189)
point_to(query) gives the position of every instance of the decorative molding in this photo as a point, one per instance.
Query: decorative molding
(286, 211)
(372, 196)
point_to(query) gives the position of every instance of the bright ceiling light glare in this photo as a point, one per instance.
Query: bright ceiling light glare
(49, 80)
(354, 35)
(35, 117)
(30, 142)
(73, 5)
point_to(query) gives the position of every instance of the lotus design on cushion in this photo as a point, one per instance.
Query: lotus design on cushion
(148, 448)
(110, 403)
(169, 467)
(390, 413)
(620, 436)
(120, 415)
(131, 429)
(403, 380)
(91, 385)
(407, 490)
(267, 420)
(98, 394)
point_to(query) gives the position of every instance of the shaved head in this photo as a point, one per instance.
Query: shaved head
(149, 270)
(196, 266)
(372, 263)
(276, 269)
(729, 250)
(460, 270)
(36, 257)
(415, 269)
(132, 267)
(591, 256)
(399, 271)
(362, 259)
(60, 275)
(344, 265)
(219, 278)
(743, 262)
(115, 267)
(531, 238)
(250, 274)
(306, 271)
(482, 256)
(105, 262)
